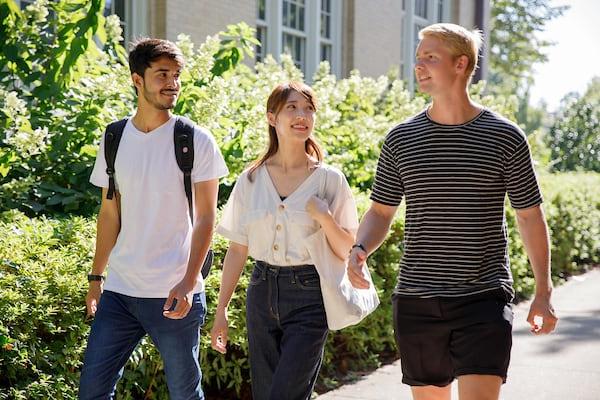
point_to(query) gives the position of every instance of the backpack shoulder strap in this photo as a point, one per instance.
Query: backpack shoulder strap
(183, 136)
(112, 138)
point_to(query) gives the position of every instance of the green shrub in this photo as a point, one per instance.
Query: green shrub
(43, 263)
(59, 90)
(49, 134)
(574, 138)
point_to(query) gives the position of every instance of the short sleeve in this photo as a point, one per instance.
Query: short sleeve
(230, 225)
(387, 187)
(208, 160)
(99, 176)
(343, 206)
(521, 182)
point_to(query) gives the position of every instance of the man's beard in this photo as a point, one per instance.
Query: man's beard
(159, 106)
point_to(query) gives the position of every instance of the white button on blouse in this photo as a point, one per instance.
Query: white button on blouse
(275, 230)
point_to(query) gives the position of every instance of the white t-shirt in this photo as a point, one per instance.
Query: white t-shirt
(153, 246)
(275, 230)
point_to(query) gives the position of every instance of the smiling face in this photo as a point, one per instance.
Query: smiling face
(159, 87)
(437, 70)
(295, 119)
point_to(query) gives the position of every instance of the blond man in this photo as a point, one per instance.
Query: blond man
(454, 163)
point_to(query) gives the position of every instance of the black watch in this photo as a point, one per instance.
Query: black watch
(92, 277)
(360, 246)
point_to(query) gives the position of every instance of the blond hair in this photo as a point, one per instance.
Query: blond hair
(459, 40)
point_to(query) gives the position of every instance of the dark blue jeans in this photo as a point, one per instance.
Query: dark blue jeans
(287, 329)
(120, 323)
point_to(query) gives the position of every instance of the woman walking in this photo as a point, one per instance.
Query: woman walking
(274, 206)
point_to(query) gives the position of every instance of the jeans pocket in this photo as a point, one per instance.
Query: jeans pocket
(256, 277)
(308, 281)
(198, 309)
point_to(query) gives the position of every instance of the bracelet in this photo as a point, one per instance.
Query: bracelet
(92, 277)
(360, 246)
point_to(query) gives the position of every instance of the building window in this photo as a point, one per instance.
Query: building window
(293, 31)
(295, 46)
(308, 30)
(326, 49)
(421, 8)
(261, 30)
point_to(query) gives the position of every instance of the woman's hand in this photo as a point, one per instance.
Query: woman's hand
(317, 208)
(218, 333)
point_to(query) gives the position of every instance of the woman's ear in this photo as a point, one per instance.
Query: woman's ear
(271, 119)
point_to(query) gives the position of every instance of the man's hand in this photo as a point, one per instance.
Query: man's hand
(182, 292)
(356, 262)
(219, 331)
(93, 297)
(542, 308)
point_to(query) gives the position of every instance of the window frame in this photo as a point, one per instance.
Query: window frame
(312, 34)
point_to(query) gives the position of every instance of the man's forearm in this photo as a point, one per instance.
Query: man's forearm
(534, 233)
(373, 230)
(107, 231)
(201, 239)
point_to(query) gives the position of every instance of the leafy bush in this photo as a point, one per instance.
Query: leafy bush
(43, 263)
(50, 124)
(574, 138)
(59, 90)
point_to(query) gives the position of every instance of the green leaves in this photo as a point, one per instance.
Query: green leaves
(574, 138)
(237, 42)
(43, 263)
(514, 43)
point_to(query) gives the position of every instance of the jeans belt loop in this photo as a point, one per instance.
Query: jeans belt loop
(264, 272)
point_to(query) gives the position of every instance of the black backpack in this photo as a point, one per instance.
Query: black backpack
(183, 137)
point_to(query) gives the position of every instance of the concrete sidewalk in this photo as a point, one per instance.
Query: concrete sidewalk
(561, 366)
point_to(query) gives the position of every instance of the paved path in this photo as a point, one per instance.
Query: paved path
(561, 366)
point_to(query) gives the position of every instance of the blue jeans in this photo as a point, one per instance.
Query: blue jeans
(287, 329)
(120, 323)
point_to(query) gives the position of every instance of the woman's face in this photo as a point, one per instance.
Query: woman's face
(295, 120)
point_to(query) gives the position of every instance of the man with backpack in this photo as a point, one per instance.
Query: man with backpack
(155, 224)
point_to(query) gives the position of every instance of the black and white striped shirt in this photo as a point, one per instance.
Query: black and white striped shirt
(454, 179)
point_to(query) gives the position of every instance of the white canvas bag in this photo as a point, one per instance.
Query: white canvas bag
(345, 305)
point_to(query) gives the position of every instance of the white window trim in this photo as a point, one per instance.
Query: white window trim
(262, 23)
(312, 33)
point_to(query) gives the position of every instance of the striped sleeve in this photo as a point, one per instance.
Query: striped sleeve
(387, 187)
(521, 183)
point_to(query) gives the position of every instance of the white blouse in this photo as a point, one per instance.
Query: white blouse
(273, 229)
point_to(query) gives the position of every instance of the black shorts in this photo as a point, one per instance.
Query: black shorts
(441, 338)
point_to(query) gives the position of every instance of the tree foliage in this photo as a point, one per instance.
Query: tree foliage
(514, 44)
(574, 138)
(63, 78)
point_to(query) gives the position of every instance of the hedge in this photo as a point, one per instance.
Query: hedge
(43, 263)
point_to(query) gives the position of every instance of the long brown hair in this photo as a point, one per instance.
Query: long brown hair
(275, 103)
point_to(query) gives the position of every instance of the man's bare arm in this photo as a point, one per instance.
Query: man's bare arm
(534, 233)
(371, 233)
(107, 231)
